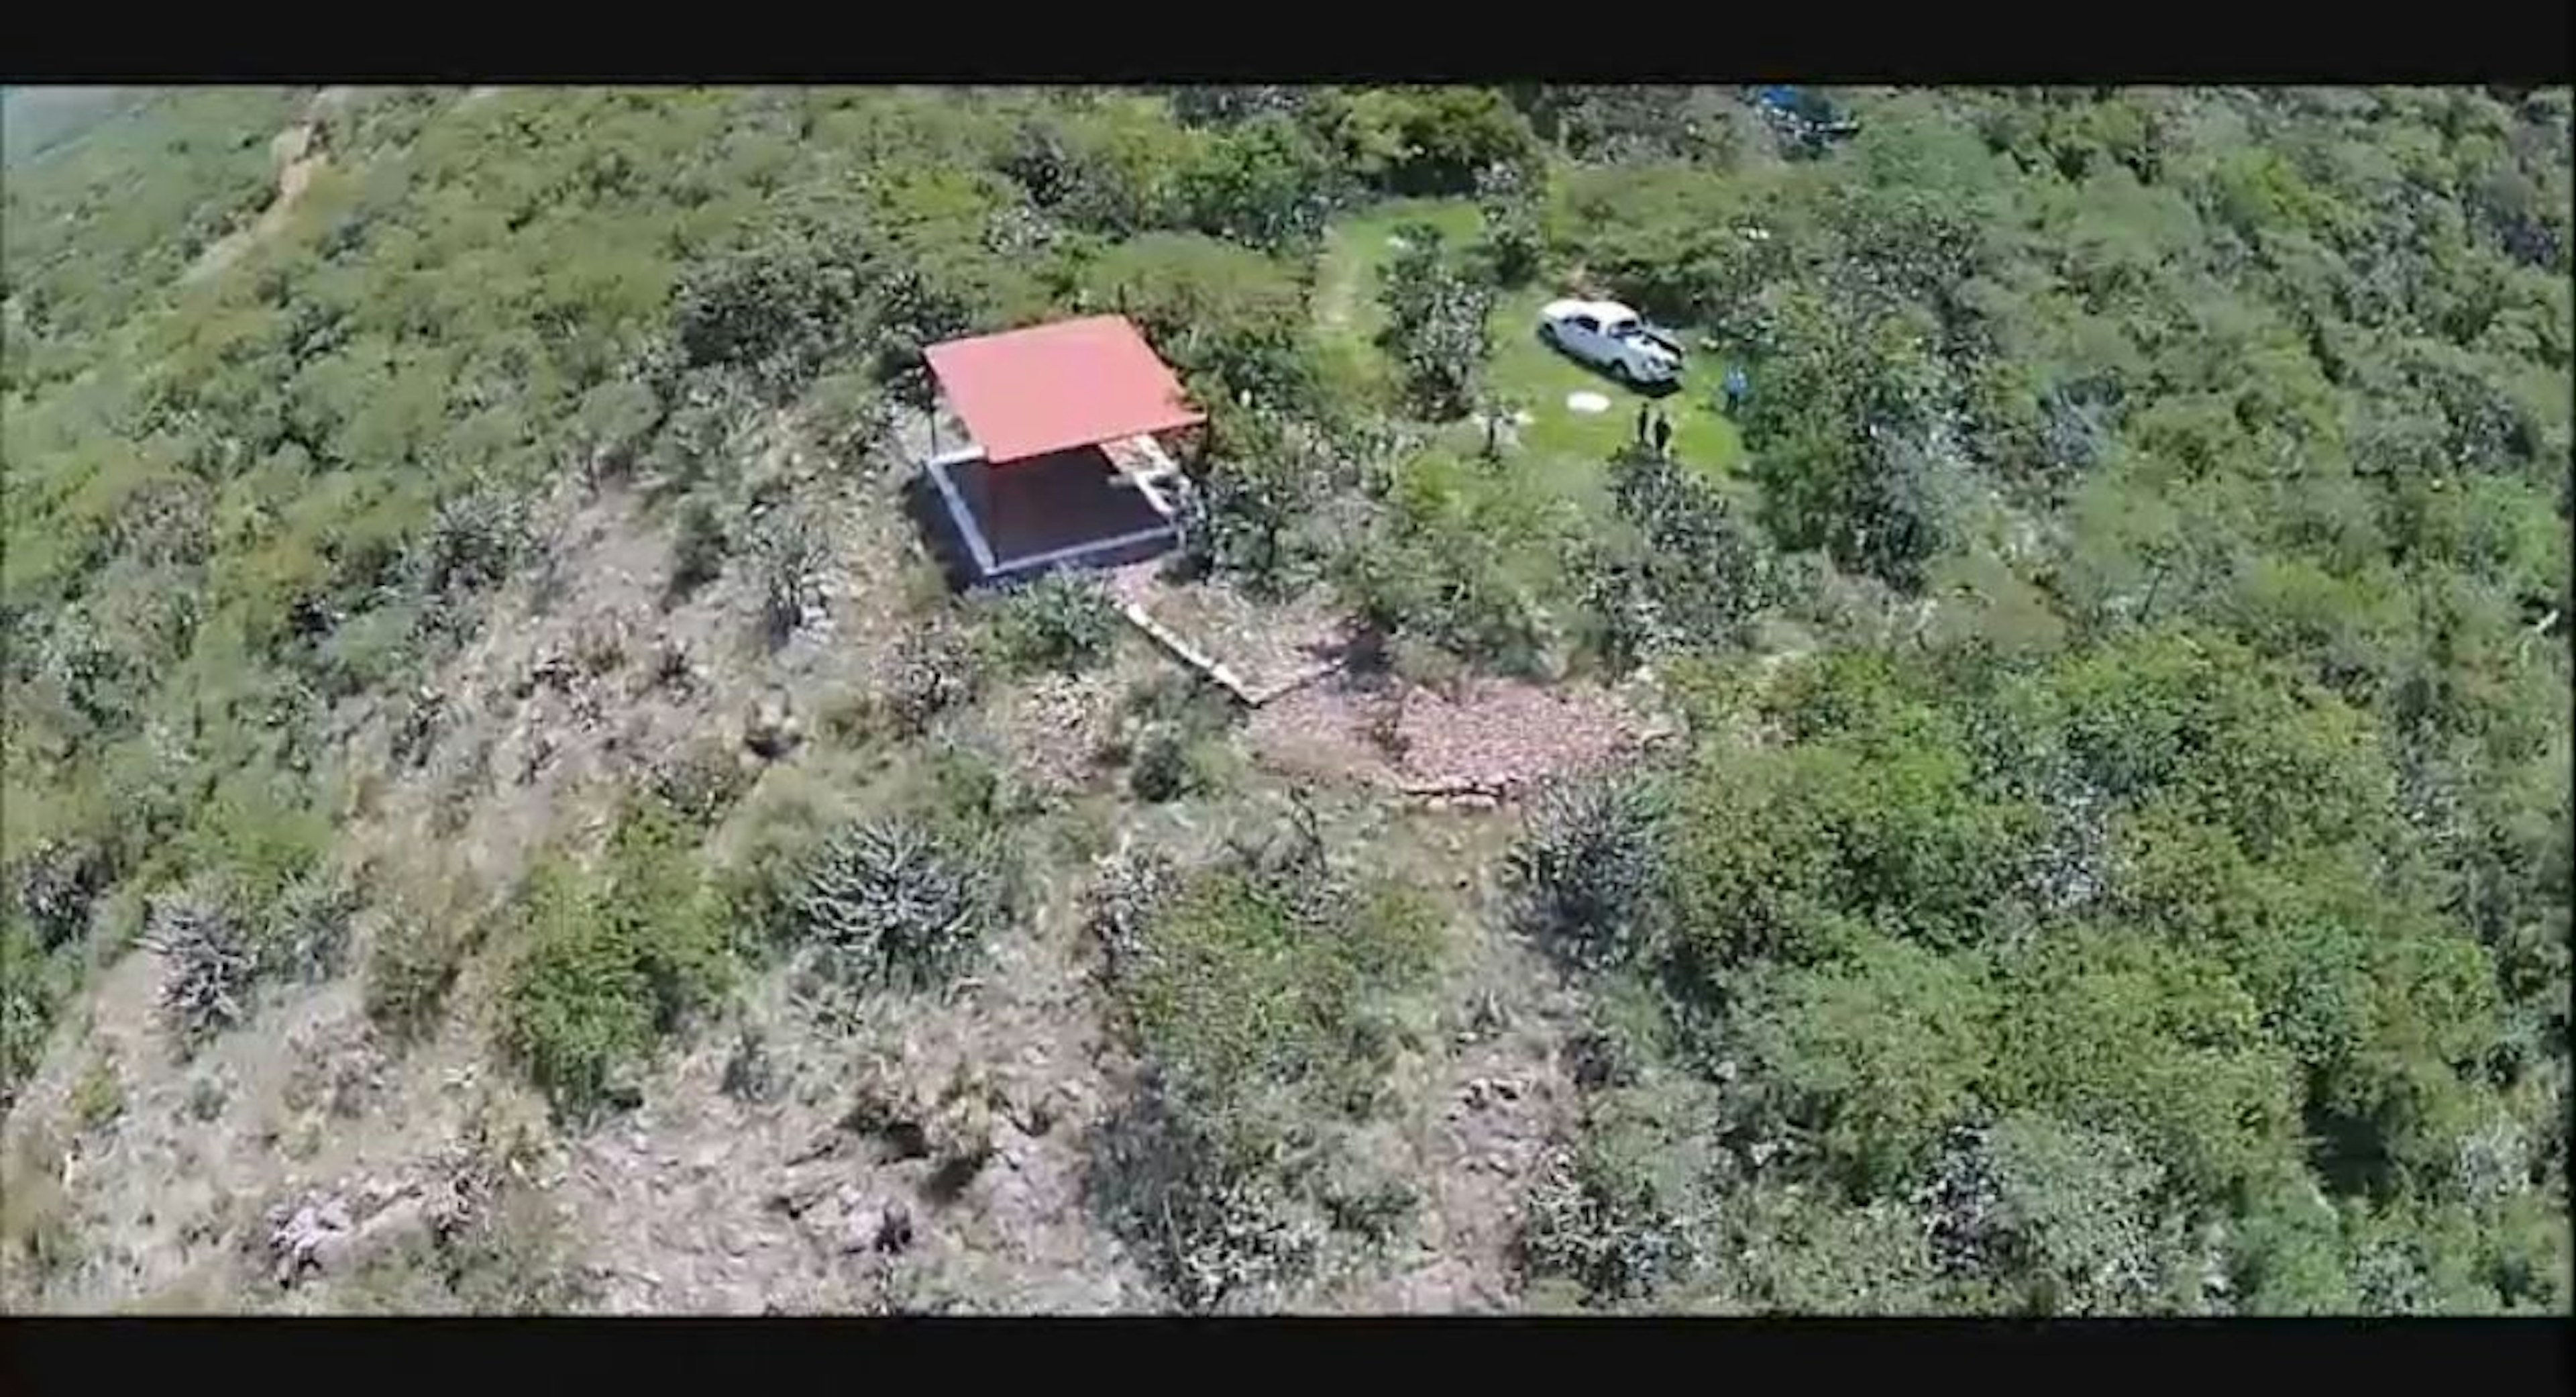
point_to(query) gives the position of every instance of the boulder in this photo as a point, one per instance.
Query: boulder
(772, 729)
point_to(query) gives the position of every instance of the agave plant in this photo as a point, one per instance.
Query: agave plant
(212, 963)
(895, 902)
(1587, 872)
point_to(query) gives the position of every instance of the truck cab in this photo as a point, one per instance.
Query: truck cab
(1613, 338)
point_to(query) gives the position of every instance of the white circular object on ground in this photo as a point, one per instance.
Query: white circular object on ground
(1585, 401)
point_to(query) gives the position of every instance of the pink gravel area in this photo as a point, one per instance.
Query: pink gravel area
(1495, 738)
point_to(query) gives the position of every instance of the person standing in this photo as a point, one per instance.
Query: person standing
(1641, 423)
(1663, 434)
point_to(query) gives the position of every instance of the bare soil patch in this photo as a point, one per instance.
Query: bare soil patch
(1269, 649)
(298, 154)
(1490, 739)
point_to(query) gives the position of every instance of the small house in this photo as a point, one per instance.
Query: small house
(1070, 432)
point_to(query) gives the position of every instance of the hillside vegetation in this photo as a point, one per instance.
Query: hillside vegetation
(2115, 858)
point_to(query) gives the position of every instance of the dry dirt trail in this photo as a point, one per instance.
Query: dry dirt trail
(298, 154)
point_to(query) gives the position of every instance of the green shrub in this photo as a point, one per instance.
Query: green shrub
(933, 670)
(613, 961)
(33, 983)
(699, 783)
(1256, 994)
(581, 998)
(207, 1097)
(698, 550)
(1161, 767)
(306, 935)
(212, 961)
(776, 310)
(750, 1074)
(1183, 700)
(55, 885)
(512, 1258)
(472, 543)
(1205, 1208)
(1059, 622)
(1216, 308)
(412, 967)
(1376, 1208)
(98, 1098)
(697, 441)
(1788, 1248)
(1424, 140)
(791, 554)
(1245, 981)
(967, 784)
(2064, 1219)
(38, 1222)
(1620, 1211)
(254, 837)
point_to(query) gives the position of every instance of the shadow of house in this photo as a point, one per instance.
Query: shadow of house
(1070, 428)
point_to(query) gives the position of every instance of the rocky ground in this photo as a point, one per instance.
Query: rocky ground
(933, 1156)
(1483, 742)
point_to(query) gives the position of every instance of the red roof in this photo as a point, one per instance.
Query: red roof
(1056, 387)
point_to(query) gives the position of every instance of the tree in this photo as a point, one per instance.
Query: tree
(1259, 509)
(1264, 182)
(2065, 1221)
(1515, 240)
(1634, 124)
(1216, 310)
(1467, 555)
(1844, 435)
(1438, 324)
(1707, 572)
(1428, 140)
(1876, 1058)
(777, 310)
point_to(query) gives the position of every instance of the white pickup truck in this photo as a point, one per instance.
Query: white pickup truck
(1612, 338)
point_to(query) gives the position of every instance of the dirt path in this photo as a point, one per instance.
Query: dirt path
(1480, 1099)
(298, 159)
(298, 154)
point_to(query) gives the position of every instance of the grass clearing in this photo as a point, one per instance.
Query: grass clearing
(1356, 249)
(1565, 448)
(1573, 445)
